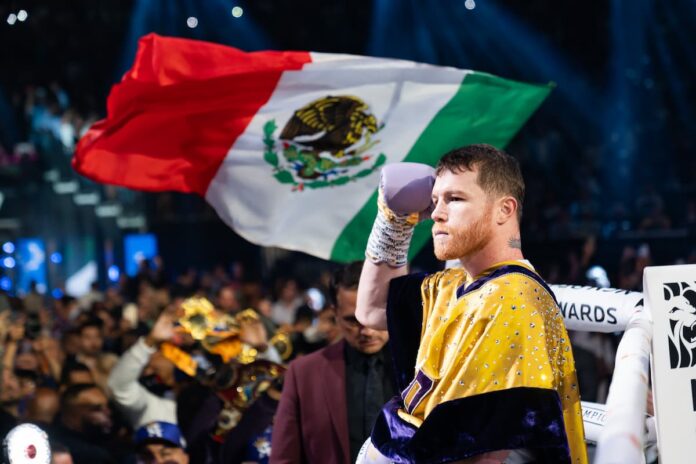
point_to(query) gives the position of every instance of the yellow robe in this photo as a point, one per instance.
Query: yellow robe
(499, 333)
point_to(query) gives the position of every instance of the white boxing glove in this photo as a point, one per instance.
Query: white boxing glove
(404, 198)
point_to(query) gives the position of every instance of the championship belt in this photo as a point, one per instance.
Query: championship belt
(232, 368)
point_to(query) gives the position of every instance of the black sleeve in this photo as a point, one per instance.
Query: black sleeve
(253, 423)
(404, 321)
(197, 409)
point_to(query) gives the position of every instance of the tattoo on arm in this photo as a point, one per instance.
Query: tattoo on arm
(515, 242)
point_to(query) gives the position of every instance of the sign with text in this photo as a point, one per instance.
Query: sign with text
(671, 295)
(31, 264)
(137, 248)
(591, 309)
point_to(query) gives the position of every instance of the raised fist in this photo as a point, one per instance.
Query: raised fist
(407, 188)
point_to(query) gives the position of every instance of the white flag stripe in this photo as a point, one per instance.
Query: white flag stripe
(323, 61)
(421, 91)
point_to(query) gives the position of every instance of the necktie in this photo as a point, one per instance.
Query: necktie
(374, 394)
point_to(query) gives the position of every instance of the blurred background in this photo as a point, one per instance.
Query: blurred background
(609, 158)
(87, 269)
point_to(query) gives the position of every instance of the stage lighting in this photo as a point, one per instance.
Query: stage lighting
(57, 293)
(8, 247)
(56, 258)
(22, 15)
(237, 11)
(107, 211)
(9, 262)
(52, 175)
(6, 283)
(114, 273)
(192, 22)
(315, 299)
(131, 222)
(62, 188)
(11, 19)
(86, 199)
(470, 4)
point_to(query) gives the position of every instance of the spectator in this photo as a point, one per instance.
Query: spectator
(43, 407)
(60, 454)
(94, 295)
(289, 299)
(9, 402)
(321, 333)
(71, 342)
(33, 301)
(4, 304)
(65, 312)
(227, 300)
(75, 373)
(201, 411)
(26, 361)
(161, 443)
(263, 307)
(304, 317)
(84, 424)
(350, 379)
(91, 354)
(43, 356)
(12, 390)
(138, 404)
(50, 357)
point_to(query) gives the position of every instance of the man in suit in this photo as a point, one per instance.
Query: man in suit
(332, 397)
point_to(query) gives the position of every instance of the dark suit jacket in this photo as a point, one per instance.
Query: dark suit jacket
(311, 423)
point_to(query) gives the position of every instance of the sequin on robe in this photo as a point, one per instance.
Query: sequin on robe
(494, 369)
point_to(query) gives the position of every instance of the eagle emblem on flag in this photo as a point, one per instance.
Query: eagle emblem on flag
(324, 143)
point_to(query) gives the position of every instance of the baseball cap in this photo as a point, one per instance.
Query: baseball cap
(160, 432)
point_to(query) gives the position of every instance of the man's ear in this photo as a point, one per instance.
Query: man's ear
(506, 209)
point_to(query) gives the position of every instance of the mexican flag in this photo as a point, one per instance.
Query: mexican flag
(287, 146)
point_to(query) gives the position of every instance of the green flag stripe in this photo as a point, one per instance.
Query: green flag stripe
(485, 109)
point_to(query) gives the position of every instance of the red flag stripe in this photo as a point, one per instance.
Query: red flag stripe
(176, 113)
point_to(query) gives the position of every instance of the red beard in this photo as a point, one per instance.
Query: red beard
(465, 242)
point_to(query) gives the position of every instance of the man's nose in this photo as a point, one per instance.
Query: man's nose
(438, 214)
